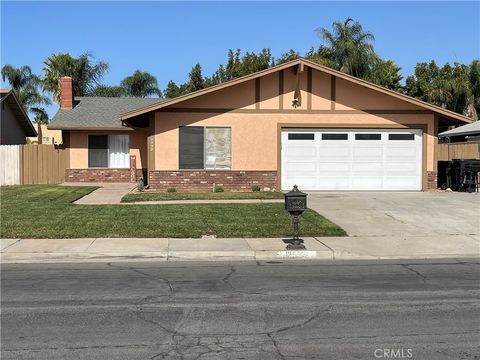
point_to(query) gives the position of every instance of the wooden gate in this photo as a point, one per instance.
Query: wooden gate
(43, 164)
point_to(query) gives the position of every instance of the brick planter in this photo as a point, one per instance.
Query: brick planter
(101, 175)
(201, 180)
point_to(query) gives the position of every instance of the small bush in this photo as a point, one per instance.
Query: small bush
(255, 188)
(141, 185)
(171, 190)
(218, 189)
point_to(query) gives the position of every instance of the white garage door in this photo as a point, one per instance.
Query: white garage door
(352, 159)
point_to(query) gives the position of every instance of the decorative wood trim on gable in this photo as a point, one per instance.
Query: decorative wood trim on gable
(333, 92)
(309, 87)
(280, 89)
(257, 93)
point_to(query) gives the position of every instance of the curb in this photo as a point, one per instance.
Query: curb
(210, 256)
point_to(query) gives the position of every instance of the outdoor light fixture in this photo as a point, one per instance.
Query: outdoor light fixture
(296, 204)
(295, 102)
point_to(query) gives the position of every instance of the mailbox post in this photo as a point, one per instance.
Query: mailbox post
(296, 204)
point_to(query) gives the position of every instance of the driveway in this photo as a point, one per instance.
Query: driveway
(401, 214)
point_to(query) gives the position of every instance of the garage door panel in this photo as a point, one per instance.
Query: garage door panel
(334, 166)
(366, 183)
(367, 152)
(367, 167)
(332, 183)
(393, 162)
(334, 152)
(302, 166)
(301, 151)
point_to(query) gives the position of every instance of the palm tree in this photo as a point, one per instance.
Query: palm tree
(350, 47)
(85, 73)
(41, 118)
(26, 86)
(141, 84)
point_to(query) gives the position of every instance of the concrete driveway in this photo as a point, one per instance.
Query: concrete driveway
(401, 214)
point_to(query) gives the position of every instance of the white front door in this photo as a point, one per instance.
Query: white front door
(352, 159)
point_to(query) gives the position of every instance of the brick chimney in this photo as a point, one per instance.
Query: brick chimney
(66, 93)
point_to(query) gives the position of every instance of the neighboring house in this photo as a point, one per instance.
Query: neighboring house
(15, 125)
(296, 123)
(48, 136)
(465, 133)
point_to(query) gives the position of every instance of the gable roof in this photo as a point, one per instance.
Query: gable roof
(7, 96)
(469, 129)
(95, 113)
(436, 109)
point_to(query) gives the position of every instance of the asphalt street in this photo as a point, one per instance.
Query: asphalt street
(249, 310)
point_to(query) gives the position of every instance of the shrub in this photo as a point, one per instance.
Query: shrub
(171, 190)
(218, 189)
(255, 188)
(141, 185)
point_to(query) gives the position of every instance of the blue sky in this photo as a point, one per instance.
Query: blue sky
(168, 38)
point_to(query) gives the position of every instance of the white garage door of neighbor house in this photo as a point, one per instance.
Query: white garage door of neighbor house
(352, 159)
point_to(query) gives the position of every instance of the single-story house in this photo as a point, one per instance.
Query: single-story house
(295, 123)
(15, 124)
(464, 133)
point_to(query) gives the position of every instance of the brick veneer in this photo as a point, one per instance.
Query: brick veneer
(432, 180)
(101, 175)
(201, 180)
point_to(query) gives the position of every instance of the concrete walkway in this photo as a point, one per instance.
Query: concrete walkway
(107, 194)
(211, 249)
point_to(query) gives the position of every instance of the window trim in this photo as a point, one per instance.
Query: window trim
(204, 148)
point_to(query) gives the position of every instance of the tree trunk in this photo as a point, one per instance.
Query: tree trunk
(39, 132)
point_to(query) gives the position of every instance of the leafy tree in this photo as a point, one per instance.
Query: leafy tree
(26, 85)
(108, 91)
(141, 84)
(196, 80)
(385, 73)
(451, 87)
(287, 56)
(173, 90)
(85, 73)
(349, 46)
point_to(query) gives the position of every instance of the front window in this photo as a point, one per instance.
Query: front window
(205, 147)
(108, 151)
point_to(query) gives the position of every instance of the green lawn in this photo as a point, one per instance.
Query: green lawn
(46, 211)
(162, 196)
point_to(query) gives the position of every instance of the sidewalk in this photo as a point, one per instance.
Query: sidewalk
(211, 249)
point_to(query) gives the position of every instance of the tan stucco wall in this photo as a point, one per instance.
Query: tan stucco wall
(79, 146)
(55, 135)
(255, 136)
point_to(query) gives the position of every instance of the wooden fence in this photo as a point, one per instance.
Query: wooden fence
(458, 151)
(32, 164)
(10, 169)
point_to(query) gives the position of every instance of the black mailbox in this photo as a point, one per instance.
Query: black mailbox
(296, 204)
(295, 201)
